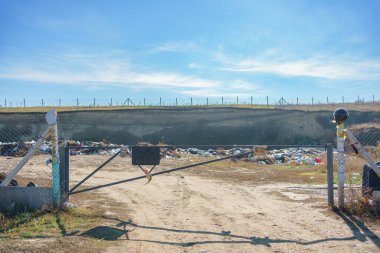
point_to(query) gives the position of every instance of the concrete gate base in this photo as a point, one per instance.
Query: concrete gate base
(13, 198)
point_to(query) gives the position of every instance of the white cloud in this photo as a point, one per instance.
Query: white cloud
(335, 67)
(109, 70)
(213, 93)
(243, 85)
(233, 89)
(111, 77)
(102, 70)
(194, 66)
(178, 46)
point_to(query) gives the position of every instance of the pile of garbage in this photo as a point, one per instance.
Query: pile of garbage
(19, 149)
(309, 156)
(260, 154)
(92, 148)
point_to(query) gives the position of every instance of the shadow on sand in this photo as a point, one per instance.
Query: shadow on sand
(358, 228)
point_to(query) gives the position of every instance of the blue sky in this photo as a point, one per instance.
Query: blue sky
(151, 49)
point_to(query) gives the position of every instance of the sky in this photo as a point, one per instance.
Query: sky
(197, 49)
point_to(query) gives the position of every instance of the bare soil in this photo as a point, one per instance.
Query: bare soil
(230, 207)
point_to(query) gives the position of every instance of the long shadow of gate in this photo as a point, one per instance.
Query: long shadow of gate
(123, 228)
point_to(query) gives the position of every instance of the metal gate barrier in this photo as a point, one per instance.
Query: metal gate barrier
(143, 155)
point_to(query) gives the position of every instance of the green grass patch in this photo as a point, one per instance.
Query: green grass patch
(350, 180)
(47, 224)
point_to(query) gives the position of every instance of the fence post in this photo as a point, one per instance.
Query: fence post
(62, 171)
(341, 164)
(52, 119)
(330, 175)
(340, 115)
(267, 102)
(67, 171)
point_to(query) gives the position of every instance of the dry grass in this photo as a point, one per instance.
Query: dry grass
(330, 107)
(110, 108)
(361, 206)
(56, 230)
(365, 126)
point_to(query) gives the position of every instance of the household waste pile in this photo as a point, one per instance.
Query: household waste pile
(19, 149)
(259, 155)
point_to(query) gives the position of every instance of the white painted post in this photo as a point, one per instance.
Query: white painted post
(341, 163)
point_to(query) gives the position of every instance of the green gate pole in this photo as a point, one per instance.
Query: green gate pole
(52, 120)
(62, 171)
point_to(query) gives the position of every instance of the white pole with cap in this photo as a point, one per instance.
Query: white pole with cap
(340, 115)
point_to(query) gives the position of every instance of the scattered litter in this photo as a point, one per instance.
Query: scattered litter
(69, 205)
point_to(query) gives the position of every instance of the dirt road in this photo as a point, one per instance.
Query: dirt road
(188, 212)
(203, 210)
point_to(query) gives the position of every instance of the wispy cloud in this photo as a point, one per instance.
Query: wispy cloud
(327, 67)
(178, 46)
(92, 70)
(234, 88)
(193, 65)
(209, 93)
(111, 78)
(98, 71)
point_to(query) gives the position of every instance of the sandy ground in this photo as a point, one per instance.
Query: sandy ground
(194, 212)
